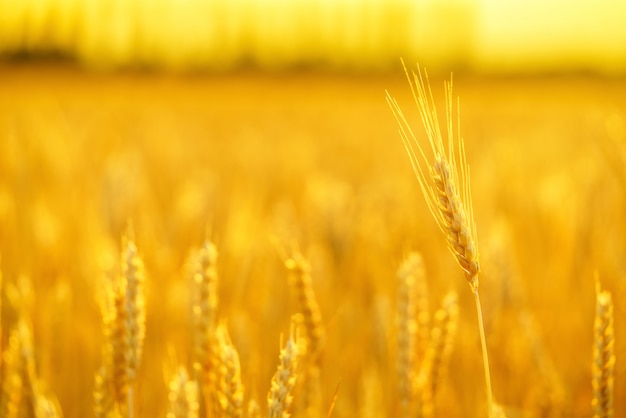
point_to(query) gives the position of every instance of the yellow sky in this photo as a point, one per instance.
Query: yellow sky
(483, 35)
(552, 34)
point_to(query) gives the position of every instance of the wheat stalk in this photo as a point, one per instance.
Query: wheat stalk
(444, 180)
(603, 364)
(1, 339)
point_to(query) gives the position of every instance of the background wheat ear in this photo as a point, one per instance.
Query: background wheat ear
(603, 365)
(183, 396)
(299, 272)
(230, 389)
(204, 291)
(280, 396)
(124, 320)
(432, 373)
(409, 356)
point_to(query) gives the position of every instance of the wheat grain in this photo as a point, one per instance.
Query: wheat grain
(603, 364)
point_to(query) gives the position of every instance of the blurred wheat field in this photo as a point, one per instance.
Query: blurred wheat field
(252, 159)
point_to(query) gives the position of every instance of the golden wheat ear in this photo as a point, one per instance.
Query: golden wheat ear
(204, 305)
(407, 358)
(280, 396)
(183, 396)
(443, 175)
(433, 370)
(134, 305)
(230, 388)
(498, 411)
(254, 410)
(124, 318)
(442, 172)
(310, 317)
(603, 365)
(299, 271)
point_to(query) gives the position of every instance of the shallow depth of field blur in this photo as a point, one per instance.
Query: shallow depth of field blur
(259, 123)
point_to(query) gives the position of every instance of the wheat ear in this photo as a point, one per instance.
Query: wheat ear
(434, 367)
(230, 390)
(204, 308)
(254, 410)
(15, 386)
(124, 318)
(444, 180)
(299, 271)
(442, 337)
(183, 396)
(603, 364)
(300, 279)
(133, 275)
(102, 400)
(280, 395)
(407, 327)
(498, 411)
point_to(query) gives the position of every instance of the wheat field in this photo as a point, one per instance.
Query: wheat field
(266, 244)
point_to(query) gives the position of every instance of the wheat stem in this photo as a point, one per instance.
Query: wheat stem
(483, 344)
(130, 402)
